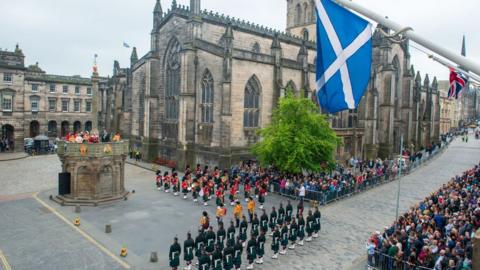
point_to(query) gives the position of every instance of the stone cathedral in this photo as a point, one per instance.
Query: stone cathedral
(210, 81)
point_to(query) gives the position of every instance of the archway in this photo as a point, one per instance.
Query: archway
(8, 137)
(34, 129)
(65, 128)
(77, 126)
(52, 128)
(88, 126)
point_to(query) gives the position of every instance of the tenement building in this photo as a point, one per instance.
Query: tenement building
(33, 102)
(210, 81)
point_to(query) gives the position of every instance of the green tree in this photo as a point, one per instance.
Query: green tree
(298, 138)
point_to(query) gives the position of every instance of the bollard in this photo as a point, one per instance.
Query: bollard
(108, 228)
(476, 251)
(77, 208)
(153, 257)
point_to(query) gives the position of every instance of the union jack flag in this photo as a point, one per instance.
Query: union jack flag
(458, 81)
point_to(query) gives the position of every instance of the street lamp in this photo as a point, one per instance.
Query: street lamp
(400, 165)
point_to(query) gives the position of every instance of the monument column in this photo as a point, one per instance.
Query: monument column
(95, 98)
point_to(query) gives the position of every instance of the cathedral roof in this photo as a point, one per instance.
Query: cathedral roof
(238, 24)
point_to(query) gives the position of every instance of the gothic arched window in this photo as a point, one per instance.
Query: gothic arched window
(207, 97)
(313, 13)
(306, 17)
(251, 106)
(172, 86)
(298, 14)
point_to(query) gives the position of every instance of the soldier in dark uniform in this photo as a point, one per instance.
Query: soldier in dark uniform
(188, 246)
(238, 248)
(293, 234)
(199, 244)
(299, 209)
(264, 221)
(221, 236)
(251, 251)
(275, 242)
(217, 258)
(273, 220)
(255, 225)
(174, 254)
(204, 261)
(231, 234)
(281, 215)
(243, 229)
(317, 216)
(309, 226)
(228, 254)
(301, 229)
(288, 212)
(209, 241)
(284, 238)
(261, 246)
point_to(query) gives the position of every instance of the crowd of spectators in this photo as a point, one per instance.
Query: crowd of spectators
(87, 137)
(434, 234)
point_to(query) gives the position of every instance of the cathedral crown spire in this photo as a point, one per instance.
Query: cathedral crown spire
(195, 6)
(157, 14)
(134, 56)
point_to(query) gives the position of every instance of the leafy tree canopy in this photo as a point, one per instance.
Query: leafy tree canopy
(298, 138)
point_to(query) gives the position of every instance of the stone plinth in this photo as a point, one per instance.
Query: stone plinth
(97, 172)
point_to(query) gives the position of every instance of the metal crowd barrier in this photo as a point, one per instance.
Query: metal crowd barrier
(329, 196)
(381, 261)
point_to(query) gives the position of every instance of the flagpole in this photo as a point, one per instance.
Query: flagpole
(455, 58)
(449, 65)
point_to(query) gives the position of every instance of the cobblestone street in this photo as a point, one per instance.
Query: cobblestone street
(34, 238)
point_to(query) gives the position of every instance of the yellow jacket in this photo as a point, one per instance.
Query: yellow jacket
(237, 211)
(251, 206)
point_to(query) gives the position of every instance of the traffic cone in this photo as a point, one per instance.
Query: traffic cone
(76, 222)
(123, 252)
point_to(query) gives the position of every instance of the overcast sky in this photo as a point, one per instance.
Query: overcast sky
(63, 35)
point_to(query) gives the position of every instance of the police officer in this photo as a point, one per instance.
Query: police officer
(188, 246)
(174, 254)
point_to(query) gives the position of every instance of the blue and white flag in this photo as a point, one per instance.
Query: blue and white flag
(344, 57)
(126, 45)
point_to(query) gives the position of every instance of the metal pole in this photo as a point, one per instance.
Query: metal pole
(457, 59)
(400, 164)
(449, 65)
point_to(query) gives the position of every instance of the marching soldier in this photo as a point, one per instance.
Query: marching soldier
(219, 196)
(195, 190)
(251, 251)
(289, 212)
(175, 184)
(221, 236)
(199, 244)
(228, 254)
(255, 225)
(231, 234)
(166, 182)
(238, 212)
(209, 240)
(174, 254)
(185, 188)
(204, 262)
(238, 248)
(188, 246)
(158, 179)
(301, 229)
(310, 225)
(273, 220)
(281, 215)
(261, 246)
(284, 238)
(275, 242)
(217, 258)
(243, 229)
(293, 234)
(264, 221)
(317, 216)
(261, 195)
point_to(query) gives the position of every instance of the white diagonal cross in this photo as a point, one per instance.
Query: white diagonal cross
(342, 55)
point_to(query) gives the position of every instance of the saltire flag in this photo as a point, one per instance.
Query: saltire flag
(458, 81)
(344, 57)
(126, 45)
